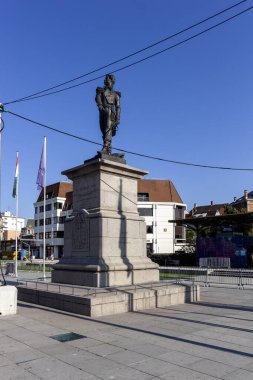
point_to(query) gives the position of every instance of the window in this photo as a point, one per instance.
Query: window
(58, 206)
(58, 234)
(143, 197)
(41, 235)
(49, 207)
(179, 232)
(149, 229)
(49, 251)
(145, 211)
(41, 222)
(56, 219)
(41, 208)
(179, 212)
(48, 235)
(35, 236)
(35, 223)
(48, 221)
(62, 219)
(67, 206)
(49, 195)
(36, 210)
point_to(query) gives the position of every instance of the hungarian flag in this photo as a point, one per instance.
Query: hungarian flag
(15, 186)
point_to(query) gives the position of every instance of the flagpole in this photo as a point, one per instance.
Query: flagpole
(16, 234)
(1, 129)
(44, 224)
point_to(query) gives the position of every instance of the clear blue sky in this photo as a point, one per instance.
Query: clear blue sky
(193, 103)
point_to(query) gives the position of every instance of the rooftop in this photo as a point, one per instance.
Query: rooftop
(58, 189)
(159, 190)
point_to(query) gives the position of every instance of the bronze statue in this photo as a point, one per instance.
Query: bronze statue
(108, 102)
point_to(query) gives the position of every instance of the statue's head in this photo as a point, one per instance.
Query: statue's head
(109, 80)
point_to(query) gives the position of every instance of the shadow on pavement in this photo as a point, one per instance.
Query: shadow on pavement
(139, 330)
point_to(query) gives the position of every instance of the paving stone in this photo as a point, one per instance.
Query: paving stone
(185, 374)
(4, 361)
(4, 325)
(211, 367)
(84, 343)
(180, 358)
(68, 354)
(155, 367)
(100, 367)
(105, 349)
(248, 366)
(128, 357)
(11, 372)
(150, 350)
(125, 373)
(49, 368)
(23, 355)
(9, 345)
(240, 374)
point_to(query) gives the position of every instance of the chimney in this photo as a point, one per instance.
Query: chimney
(195, 205)
(211, 203)
(246, 194)
(235, 199)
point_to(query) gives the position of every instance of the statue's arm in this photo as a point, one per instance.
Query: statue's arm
(117, 106)
(99, 98)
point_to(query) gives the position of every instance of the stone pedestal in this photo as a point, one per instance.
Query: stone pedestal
(97, 302)
(105, 239)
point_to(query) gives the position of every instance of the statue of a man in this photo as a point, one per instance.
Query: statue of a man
(108, 102)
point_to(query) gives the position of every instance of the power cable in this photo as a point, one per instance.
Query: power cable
(41, 93)
(127, 151)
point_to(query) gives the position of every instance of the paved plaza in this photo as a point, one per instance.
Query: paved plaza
(208, 340)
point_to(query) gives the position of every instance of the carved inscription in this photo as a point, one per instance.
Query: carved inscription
(80, 233)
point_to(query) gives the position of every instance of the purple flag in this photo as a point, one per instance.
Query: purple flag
(42, 168)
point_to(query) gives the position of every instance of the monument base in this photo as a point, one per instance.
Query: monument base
(102, 279)
(105, 237)
(94, 302)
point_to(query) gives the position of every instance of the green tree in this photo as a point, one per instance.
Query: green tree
(229, 209)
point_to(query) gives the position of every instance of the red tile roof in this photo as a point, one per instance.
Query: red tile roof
(58, 189)
(159, 190)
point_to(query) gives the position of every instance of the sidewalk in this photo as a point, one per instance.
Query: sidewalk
(208, 340)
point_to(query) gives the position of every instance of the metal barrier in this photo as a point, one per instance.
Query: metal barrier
(215, 262)
(84, 291)
(239, 278)
(209, 276)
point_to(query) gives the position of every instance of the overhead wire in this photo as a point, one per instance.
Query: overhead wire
(42, 93)
(127, 151)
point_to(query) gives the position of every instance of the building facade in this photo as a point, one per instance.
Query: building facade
(207, 210)
(58, 207)
(8, 226)
(28, 230)
(158, 202)
(245, 202)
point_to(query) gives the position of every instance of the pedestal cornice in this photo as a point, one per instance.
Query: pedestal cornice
(100, 164)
